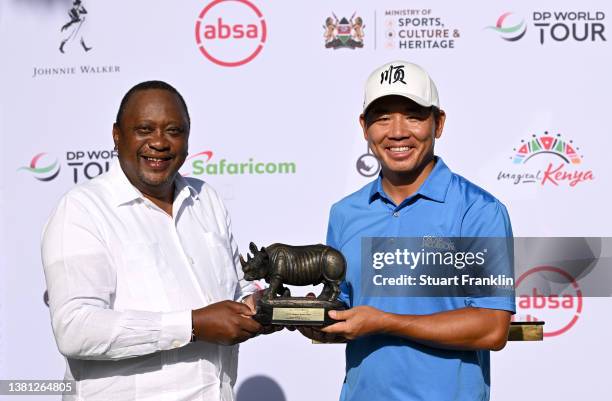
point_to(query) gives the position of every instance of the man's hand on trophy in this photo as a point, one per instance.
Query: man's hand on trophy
(225, 322)
(251, 302)
(315, 334)
(356, 322)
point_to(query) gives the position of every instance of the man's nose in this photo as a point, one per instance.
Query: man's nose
(398, 128)
(158, 141)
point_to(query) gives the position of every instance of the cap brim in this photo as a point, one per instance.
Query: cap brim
(416, 99)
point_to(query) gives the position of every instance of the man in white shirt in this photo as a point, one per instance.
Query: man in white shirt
(141, 268)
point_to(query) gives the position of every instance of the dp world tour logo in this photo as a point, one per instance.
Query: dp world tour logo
(558, 157)
(40, 170)
(230, 33)
(508, 29)
(83, 164)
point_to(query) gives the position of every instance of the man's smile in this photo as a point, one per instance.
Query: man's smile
(400, 152)
(157, 162)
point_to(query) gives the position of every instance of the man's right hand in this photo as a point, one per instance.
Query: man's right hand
(225, 323)
(316, 334)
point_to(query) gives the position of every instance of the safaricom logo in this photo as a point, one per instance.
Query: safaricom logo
(202, 163)
(230, 33)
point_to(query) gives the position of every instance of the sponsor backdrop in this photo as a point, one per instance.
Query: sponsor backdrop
(274, 90)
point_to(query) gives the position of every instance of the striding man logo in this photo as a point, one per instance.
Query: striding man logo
(73, 27)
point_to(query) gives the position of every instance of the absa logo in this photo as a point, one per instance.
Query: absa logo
(559, 308)
(230, 33)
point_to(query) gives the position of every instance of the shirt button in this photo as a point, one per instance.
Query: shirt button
(176, 344)
(396, 214)
(190, 259)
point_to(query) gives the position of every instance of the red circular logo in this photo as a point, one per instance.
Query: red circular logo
(230, 33)
(559, 309)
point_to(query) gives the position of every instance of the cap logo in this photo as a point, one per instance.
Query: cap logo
(392, 75)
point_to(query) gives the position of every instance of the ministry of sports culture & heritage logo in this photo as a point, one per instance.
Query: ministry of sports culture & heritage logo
(419, 29)
(343, 33)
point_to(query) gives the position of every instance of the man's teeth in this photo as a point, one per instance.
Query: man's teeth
(155, 159)
(400, 149)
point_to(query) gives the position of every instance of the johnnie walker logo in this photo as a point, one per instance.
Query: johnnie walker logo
(73, 45)
(73, 28)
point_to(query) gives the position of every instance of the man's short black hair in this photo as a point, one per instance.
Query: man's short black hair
(436, 113)
(150, 85)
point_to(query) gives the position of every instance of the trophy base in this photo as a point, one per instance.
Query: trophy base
(296, 311)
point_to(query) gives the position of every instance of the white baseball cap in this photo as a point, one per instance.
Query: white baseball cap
(401, 78)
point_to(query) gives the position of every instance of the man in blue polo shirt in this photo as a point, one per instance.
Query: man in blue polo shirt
(414, 348)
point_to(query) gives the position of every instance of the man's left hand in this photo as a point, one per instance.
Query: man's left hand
(251, 302)
(356, 322)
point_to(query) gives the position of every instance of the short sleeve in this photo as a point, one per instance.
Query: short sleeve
(489, 219)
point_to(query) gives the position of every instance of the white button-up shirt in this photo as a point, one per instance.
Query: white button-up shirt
(123, 277)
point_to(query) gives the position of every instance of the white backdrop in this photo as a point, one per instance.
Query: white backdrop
(294, 106)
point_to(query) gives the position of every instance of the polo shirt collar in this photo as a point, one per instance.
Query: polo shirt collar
(125, 192)
(434, 187)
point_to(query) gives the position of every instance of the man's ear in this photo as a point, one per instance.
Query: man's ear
(362, 122)
(116, 133)
(440, 124)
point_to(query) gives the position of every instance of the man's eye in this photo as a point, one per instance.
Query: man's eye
(144, 130)
(414, 117)
(174, 131)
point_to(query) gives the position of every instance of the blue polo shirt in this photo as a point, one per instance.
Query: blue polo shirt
(382, 367)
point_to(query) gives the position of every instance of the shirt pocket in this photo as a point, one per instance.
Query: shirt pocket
(221, 264)
(140, 277)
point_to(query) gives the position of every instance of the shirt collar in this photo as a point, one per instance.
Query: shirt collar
(184, 185)
(434, 188)
(125, 192)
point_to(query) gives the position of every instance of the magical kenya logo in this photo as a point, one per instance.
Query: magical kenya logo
(547, 160)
